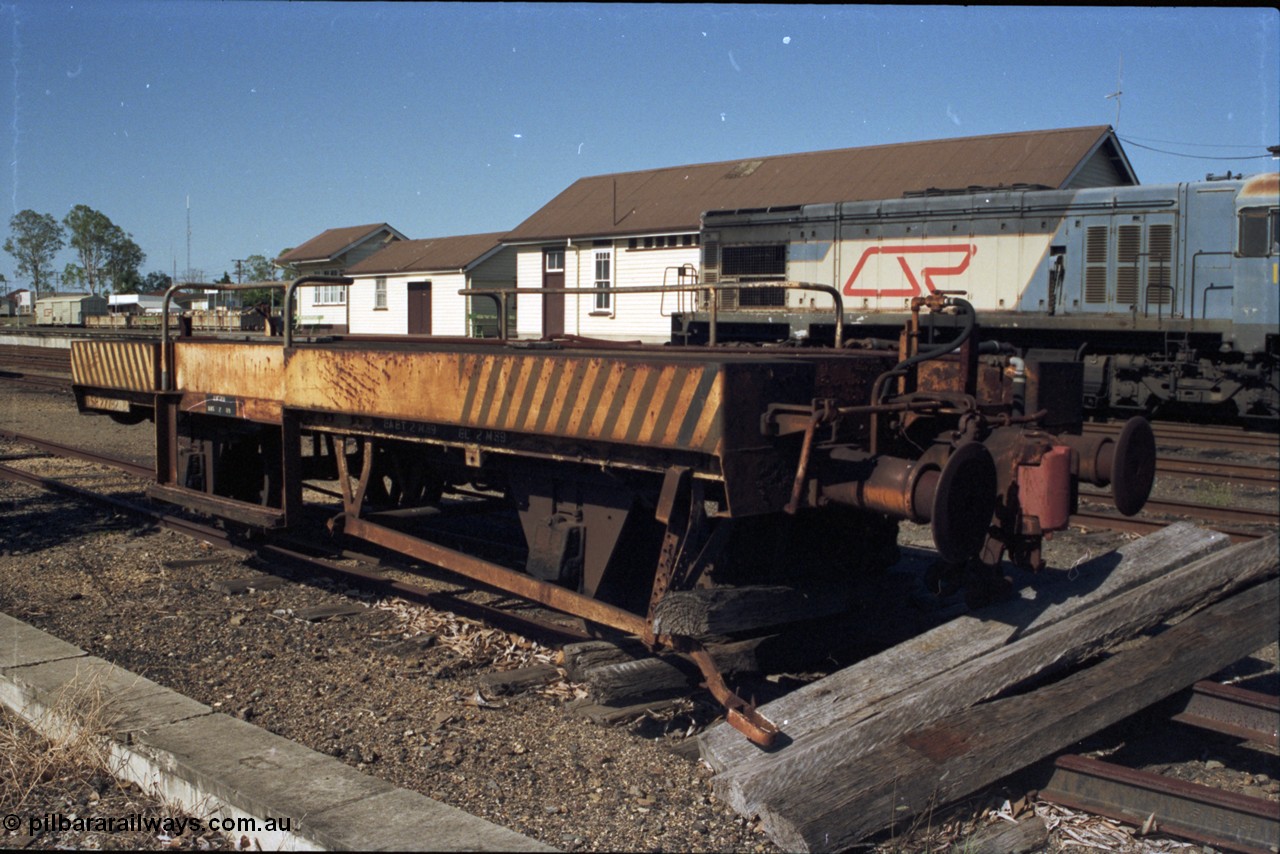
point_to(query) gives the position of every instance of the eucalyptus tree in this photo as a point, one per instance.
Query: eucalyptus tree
(109, 258)
(35, 240)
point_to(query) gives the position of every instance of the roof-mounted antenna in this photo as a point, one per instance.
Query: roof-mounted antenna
(1119, 91)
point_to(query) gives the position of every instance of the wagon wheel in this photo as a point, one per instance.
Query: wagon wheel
(401, 478)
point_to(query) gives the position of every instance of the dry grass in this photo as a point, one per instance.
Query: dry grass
(74, 755)
(70, 773)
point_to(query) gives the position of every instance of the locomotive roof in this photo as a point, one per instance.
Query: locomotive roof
(672, 199)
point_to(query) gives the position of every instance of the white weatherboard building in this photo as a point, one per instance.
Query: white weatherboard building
(331, 253)
(411, 287)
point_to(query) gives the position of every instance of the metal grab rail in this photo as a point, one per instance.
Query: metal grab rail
(288, 287)
(500, 296)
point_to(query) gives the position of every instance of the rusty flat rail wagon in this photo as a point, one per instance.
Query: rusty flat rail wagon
(640, 482)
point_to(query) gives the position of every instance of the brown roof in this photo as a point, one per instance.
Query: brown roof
(674, 198)
(333, 242)
(436, 253)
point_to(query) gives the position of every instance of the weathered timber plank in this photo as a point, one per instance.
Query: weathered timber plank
(515, 681)
(640, 678)
(1029, 834)
(1075, 639)
(970, 749)
(1057, 595)
(600, 714)
(325, 612)
(579, 658)
(722, 610)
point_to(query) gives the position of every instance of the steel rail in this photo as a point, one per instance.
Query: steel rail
(1233, 473)
(37, 380)
(224, 542)
(216, 537)
(1202, 512)
(1232, 711)
(1211, 816)
(1134, 525)
(1202, 436)
(1176, 807)
(127, 466)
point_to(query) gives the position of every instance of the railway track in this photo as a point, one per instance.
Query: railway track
(291, 552)
(373, 573)
(1175, 436)
(42, 359)
(1159, 803)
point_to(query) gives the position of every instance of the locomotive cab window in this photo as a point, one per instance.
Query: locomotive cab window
(1259, 232)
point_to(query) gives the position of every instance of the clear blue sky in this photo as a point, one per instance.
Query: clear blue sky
(279, 120)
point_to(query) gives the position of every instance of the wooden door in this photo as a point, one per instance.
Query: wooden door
(419, 308)
(553, 283)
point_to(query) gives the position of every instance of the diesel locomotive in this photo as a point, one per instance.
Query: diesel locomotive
(1168, 296)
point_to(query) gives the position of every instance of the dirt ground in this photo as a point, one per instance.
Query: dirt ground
(393, 690)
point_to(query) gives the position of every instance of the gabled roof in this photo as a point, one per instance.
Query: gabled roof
(673, 199)
(431, 254)
(333, 242)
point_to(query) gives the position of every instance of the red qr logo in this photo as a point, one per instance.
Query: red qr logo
(905, 256)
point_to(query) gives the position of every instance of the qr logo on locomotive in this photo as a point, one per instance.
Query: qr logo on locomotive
(913, 259)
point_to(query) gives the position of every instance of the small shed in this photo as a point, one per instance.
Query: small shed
(69, 309)
(135, 303)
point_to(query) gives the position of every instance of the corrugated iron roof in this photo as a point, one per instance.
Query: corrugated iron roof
(437, 253)
(674, 198)
(332, 242)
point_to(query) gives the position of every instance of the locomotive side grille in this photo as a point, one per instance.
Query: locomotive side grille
(710, 272)
(1126, 286)
(1096, 245)
(1128, 248)
(711, 262)
(764, 261)
(1095, 273)
(1160, 265)
(763, 297)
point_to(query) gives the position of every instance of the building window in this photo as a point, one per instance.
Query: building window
(604, 279)
(380, 293)
(553, 260)
(665, 241)
(331, 295)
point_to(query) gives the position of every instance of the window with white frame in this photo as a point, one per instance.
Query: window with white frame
(380, 293)
(604, 278)
(331, 295)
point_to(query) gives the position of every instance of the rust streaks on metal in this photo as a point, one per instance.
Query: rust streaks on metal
(240, 369)
(130, 365)
(664, 403)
